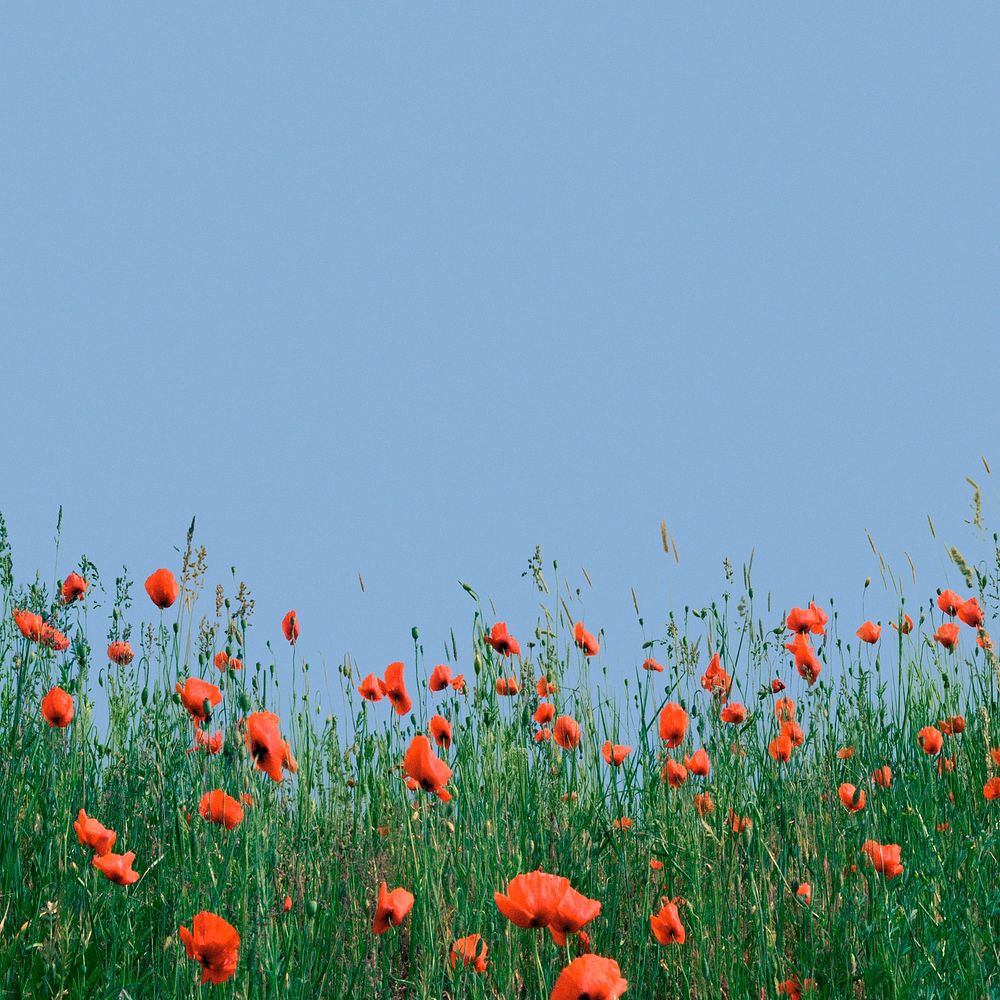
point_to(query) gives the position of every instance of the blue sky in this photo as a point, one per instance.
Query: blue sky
(406, 290)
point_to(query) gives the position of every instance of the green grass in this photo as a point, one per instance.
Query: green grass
(68, 932)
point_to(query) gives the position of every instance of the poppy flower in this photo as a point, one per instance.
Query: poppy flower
(804, 892)
(573, 912)
(269, 751)
(395, 688)
(214, 944)
(614, 753)
(947, 635)
(945, 765)
(883, 776)
(667, 926)
(674, 774)
(673, 724)
(715, 680)
(784, 709)
(971, 613)
(807, 663)
(545, 713)
(57, 708)
(290, 627)
(543, 735)
(793, 731)
(991, 790)
(221, 661)
(507, 686)
(811, 619)
(532, 899)
(502, 641)
(853, 798)
(949, 602)
(55, 639)
(777, 685)
(869, 632)
(117, 868)
(983, 641)
(884, 857)
(953, 726)
(286, 904)
(906, 628)
(651, 664)
(372, 688)
(590, 977)
(793, 987)
(930, 740)
(704, 803)
(623, 823)
(202, 741)
(391, 908)
(739, 823)
(440, 728)
(218, 807)
(30, 625)
(162, 588)
(458, 682)
(73, 588)
(734, 713)
(655, 865)
(440, 677)
(92, 834)
(545, 687)
(780, 748)
(567, 732)
(199, 697)
(585, 640)
(120, 653)
(995, 755)
(698, 763)
(471, 951)
(845, 753)
(428, 771)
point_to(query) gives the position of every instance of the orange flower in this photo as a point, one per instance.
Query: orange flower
(217, 807)
(440, 729)
(656, 865)
(716, 680)
(471, 949)
(395, 688)
(845, 753)
(947, 635)
(667, 926)
(567, 732)
(622, 823)
(590, 977)
(780, 748)
(92, 834)
(73, 588)
(269, 751)
(930, 740)
(372, 688)
(391, 908)
(793, 987)
(543, 735)
(971, 613)
(804, 892)
(734, 713)
(991, 790)
(440, 677)
(545, 687)
(286, 904)
(853, 798)
(806, 661)
(651, 664)
(532, 899)
(793, 731)
(784, 710)
(117, 868)
(983, 641)
(30, 625)
(162, 588)
(221, 661)
(953, 726)
(214, 944)
(585, 640)
(704, 803)
(883, 776)
(777, 685)
(811, 619)
(545, 713)
(202, 741)
(698, 763)
(502, 641)
(199, 698)
(739, 823)
(573, 912)
(507, 686)
(428, 771)
(949, 602)
(674, 774)
(907, 626)
(869, 632)
(673, 724)
(615, 753)
(995, 755)
(120, 653)
(57, 708)
(884, 857)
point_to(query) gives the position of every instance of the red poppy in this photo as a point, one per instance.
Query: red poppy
(395, 688)
(502, 641)
(391, 908)
(949, 602)
(656, 865)
(674, 774)
(507, 686)
(440, 677)
(73, 588)
(290, 626)
(55, 639)
(811, 619)
(286, 904)
(427, 770)
(869, 632)
(573, 912)
(953, 726)
(622, 823)
(199, 698)
(162, 588)
(780, 748)
(991, 790)
(92, 834)
(440, 728)
(615, 753)
(807, 663)
(853, 798)
(269, 751)
(651, 664)
(734, 713)
(532, 899)
(372, 688)
(590, 977)
(777, 685)
(930, 740)
(57, 708)
(845, 753)
(567, 732)
(906, 628)
(30, 625)
(716, 680)
(221, 661)
(983, 641)
(202, 741)
(545, 687)
(698, 763)
(793, 731)
(995, 755)
(947, 635)
(545, 713)
(884, 857)
(117, 868)
(971, 613)
(739, 823)
(214, 944)
(471, 951)
(704, 803)
(673, 724)
(883, 776)
(543, 735)
(784, 709)
(120, 653)
(218, 807)
(667, 926)
(793, 987)
(585, 640)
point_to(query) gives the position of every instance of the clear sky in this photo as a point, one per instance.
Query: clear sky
(407, 289)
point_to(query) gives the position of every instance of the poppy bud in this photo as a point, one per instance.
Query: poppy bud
(244, 701)
(177, 627)
(206, 706)
(312, 907)
(415, 632)
(477, 664)
(868, 582)
(144, 696)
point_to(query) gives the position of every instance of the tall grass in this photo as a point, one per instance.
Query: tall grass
(327, 836)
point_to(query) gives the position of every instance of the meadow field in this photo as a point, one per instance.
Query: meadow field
(762, 802)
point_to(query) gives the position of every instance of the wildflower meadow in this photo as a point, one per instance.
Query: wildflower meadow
(755, 802)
